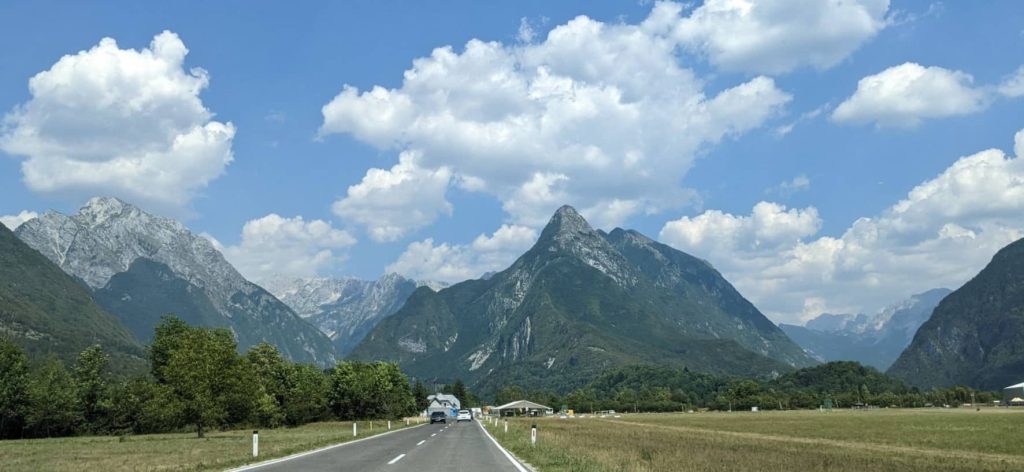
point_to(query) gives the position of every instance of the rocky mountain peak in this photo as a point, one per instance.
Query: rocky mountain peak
(566, 221)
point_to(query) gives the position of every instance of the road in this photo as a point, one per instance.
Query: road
(437, 447)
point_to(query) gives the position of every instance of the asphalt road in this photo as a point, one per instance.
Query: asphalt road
(437, 447)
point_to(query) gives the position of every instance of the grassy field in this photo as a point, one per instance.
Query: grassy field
(173, 452)
(876, 440)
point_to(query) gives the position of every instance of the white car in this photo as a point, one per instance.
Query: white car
(464, 415)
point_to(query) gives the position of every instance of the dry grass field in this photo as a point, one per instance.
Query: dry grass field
(876, 440)
(172, 452)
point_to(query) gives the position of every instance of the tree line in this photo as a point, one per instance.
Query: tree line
(197, 380)
(648, 388)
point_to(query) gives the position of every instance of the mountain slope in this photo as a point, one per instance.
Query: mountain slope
(142, 266)
(579, 302)
(345, 309)
(975, 336)
(47, 312)
(876, 341)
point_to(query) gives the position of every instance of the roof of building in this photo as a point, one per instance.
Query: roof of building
(520, 404)
(1015, 386)
(445, 397)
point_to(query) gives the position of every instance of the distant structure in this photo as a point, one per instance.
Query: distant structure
(449, 404)
(1014, 395)
(523, 408)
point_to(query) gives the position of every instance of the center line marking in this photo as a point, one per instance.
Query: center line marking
(421, 442)
(432, 435)
(396, 459)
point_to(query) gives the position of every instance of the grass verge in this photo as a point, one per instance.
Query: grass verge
(877, 440)
(175, 452)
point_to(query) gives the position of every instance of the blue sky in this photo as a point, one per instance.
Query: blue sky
(775, 211)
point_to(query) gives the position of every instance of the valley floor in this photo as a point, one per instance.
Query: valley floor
(841, 440)
(174, 452)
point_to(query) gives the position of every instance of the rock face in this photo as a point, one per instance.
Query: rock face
(579, 302)
(48, 313)
(346, 309)
(142, 266)
(975, 336)
(871, 340)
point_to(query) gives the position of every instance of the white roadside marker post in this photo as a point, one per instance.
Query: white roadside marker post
(255, 443)
(353, 429)
(389, 425)
(506, 426)
(533, 435)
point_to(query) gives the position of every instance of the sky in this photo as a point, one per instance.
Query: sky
(825, 156)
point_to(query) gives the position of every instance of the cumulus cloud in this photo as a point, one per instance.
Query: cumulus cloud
(391, 203)
(424, 260)
(777, 36)
(904, 95)
(122, 122)
(593, 114)
(940, 235)
(12, 222)
(274, 246)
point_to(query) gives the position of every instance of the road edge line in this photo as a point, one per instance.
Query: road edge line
(508, 455)
(315, 451)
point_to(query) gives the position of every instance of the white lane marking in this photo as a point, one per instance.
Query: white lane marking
(396, 459)
(432, 435)
(315, 451)
(508, 455)
(421, 442)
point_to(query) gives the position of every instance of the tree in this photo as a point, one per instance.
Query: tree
(169, 334)
(420, 394)
(13, 388)
(459, 390)
(53, 408)
(91, 379)
(307, 393)
(271, 373)
(207, 375)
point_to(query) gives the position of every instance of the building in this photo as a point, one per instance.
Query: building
(523, 408)
(1013, 394)
(449, 404)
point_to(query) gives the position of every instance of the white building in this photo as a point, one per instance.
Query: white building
(449, 404)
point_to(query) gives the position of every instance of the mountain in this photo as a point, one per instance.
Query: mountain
(579, 302)
(975, 336)
(47, 312)
(875, 341)
(140, 267)
(345, 309)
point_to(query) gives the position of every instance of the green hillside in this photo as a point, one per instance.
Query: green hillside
(975, 336)
(47, 312)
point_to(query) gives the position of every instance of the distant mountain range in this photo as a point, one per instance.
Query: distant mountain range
(48, 313)
(345, 309)
(975, 336)
(579, 302)
(139, 267)
(871, 340)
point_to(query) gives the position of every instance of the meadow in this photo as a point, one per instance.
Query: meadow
(842, 440)
(174, 452)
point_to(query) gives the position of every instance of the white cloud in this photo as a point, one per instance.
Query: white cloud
(789, 187)
(274, 245)
(593, 114)
(1013, 85)
(12, 222)
(940, 235)
(391, 203)
(423, 260)
(120, 122)
(904, 95)
(777, 36)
